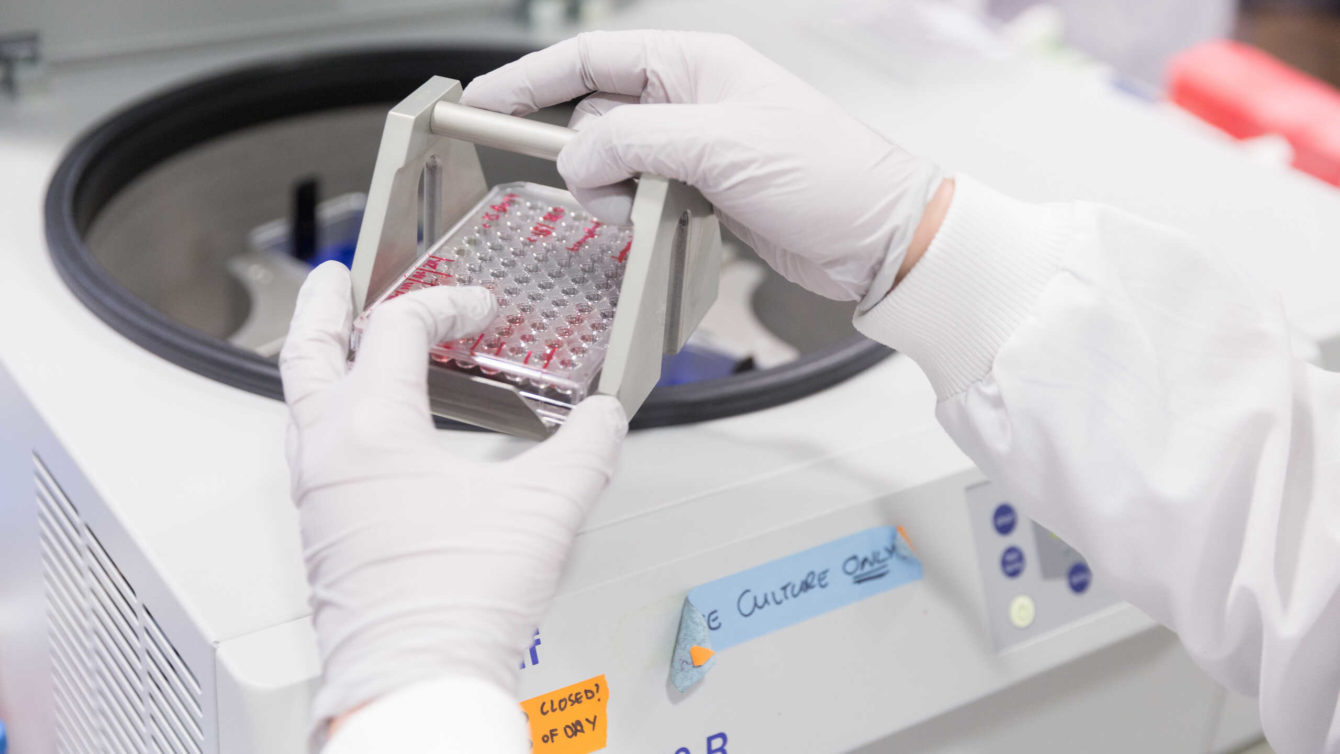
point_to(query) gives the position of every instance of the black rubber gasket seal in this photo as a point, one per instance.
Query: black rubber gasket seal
(105, 159)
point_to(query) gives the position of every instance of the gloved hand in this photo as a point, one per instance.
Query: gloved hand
(422, 564)
(828, 202)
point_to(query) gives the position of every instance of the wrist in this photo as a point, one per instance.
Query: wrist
(442, 714)
(393, 622)
(403, 657)
(976, 283)
(931, 219)
(915, 207)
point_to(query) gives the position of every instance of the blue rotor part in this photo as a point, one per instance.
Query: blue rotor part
(695, 364)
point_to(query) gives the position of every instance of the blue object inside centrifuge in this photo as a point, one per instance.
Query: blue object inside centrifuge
(339, 252)
(696, 363)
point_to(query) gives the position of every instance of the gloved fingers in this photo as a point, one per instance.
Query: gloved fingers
(675, 141)
(293, 455)
(654, 66)
(589, 109)
(579, 459)
(393, 353)
(612, 204)
(317, 347)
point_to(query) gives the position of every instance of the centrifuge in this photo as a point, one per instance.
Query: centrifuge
(166, 187)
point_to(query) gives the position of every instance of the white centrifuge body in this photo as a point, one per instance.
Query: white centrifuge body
(153, 586)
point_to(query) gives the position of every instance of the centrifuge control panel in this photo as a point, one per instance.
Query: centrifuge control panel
(1034, 581)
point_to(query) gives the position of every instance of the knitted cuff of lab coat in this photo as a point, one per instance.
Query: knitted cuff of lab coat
(973, 287)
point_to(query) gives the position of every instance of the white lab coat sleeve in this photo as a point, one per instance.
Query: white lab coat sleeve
(1138, 397)
(457, 715)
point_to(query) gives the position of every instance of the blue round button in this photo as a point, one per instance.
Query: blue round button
(1012, 561)
(1004, 518)
(1079, 577)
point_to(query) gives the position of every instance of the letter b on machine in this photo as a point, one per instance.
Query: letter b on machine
(584, 308)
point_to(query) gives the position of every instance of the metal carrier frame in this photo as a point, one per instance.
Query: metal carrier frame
(669, 283)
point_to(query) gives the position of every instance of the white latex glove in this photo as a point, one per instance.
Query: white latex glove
(828, 202)
(422, 565)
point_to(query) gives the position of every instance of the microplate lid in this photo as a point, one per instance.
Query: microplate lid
(556, 274)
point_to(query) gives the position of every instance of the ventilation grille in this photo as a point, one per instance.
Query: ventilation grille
(120, 686)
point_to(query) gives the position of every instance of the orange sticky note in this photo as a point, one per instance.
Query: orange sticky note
(700, 655)
(570, 720)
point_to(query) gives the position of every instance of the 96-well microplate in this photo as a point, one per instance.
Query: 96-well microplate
(555, 272)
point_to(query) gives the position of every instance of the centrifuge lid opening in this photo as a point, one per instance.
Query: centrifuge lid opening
(124, 146)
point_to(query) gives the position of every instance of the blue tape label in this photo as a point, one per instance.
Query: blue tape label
(751, 603)
(731, 610)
